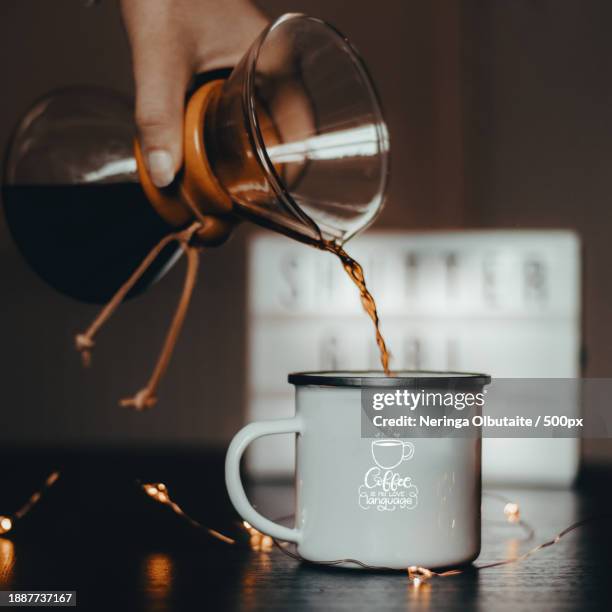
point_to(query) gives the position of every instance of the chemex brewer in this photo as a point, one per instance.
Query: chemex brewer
(293, 140)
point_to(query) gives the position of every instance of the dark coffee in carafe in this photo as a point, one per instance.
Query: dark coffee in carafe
(86, 240)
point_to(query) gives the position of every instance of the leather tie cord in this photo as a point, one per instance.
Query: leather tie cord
(147, 396)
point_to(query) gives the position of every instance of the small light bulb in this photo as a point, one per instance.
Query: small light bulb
(255, 541)
(5, 524)
(418, 575)
(161, 486)
(266, 543)
(250, 529)
(512, 512)
(162, 497)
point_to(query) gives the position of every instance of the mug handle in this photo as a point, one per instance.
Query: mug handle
(234, 484)
(407, 455)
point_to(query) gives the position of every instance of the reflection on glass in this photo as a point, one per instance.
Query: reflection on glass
(361, 141)
(113, 169)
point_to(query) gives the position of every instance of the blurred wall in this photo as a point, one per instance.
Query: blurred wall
(498, 113)
(539, 137)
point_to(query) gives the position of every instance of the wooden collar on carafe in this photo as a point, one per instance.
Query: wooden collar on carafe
(197, 194)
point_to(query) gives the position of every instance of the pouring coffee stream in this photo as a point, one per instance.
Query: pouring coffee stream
(272, 143)
(355, 272)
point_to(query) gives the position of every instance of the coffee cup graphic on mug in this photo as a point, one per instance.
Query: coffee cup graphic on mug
(388, 454)
(385, 502)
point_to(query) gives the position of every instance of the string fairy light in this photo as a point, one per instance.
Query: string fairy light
(418, 576)
(7, 523)
(159, 492)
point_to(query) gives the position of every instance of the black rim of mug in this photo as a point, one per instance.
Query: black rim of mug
(400, 378)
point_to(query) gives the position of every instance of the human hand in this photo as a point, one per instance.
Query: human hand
(171, 40)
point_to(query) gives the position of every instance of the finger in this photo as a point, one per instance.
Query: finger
(161, 81)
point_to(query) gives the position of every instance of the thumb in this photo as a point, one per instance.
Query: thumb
(161, 81)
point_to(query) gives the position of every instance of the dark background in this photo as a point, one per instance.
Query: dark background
(500, 116)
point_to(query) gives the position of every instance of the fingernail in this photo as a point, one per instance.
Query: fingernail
(161, 167)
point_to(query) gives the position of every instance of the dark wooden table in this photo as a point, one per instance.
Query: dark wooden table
(97, 533)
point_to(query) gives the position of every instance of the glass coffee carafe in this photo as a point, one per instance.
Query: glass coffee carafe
(292, 139)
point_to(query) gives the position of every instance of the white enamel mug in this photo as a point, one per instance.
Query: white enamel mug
(384, 502)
